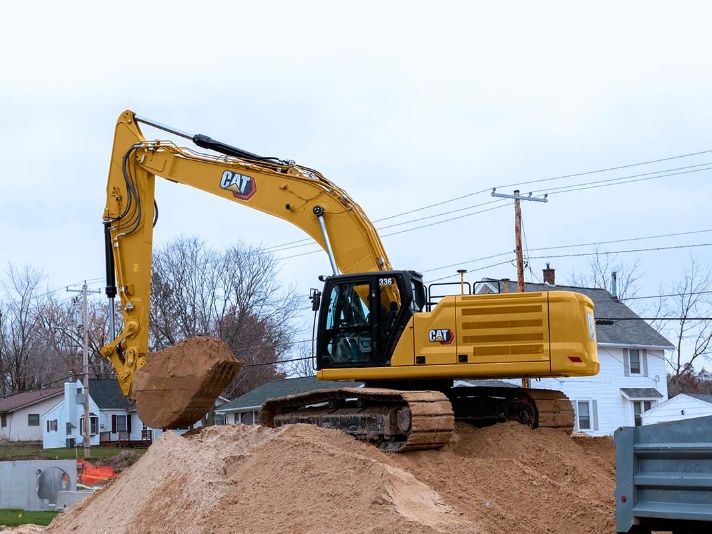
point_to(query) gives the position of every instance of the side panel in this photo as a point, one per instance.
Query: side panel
(503, 328)
(435, 334)
(664, 477)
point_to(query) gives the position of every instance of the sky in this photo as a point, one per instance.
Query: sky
(417, 109)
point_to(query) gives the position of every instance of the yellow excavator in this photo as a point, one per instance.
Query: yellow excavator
(376, 325)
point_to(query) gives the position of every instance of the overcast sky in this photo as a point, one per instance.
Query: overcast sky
(403, 104)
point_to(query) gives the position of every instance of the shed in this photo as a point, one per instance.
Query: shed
(683, 406)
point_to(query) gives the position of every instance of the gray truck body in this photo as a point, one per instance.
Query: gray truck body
(664, 477)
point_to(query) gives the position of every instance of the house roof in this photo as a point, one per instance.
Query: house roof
(706, 398)
(28, 398)
(107, 395)
(632, 331)
(280, 388)
(641, 393)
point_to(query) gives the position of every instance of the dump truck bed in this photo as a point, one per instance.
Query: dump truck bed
(664, 477)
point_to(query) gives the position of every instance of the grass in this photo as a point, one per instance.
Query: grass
(13, 518)
(65, 453)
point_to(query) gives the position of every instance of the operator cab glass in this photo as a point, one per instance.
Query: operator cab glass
(363, 316)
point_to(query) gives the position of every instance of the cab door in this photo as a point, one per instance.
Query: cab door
(346, 335)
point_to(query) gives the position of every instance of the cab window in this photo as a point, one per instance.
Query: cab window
(348, 332)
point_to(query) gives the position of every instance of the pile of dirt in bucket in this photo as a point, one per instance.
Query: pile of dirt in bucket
(178, 385)
(302, 479)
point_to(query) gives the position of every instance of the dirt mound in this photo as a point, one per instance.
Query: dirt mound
(177, 386)
(303, 479)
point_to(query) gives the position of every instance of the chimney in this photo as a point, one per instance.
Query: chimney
(614, 284)
(549, 275)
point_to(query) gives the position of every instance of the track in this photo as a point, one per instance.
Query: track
(394, 421)
(537, 408)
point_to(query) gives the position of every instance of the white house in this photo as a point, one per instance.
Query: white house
(21, 414)
(683, 406)
(112, 417)
(632, 377)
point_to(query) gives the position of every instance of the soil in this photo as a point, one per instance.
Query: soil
(302, 479)
(177, 386)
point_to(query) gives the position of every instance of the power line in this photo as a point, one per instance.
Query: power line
(444, 221)
(615, 319)
(581, 254)
(608, 169)
(697, 245)
(661, 236)
(691, 293)
(565, 189)
(402, 231)
(442, 214)
(610, 182)
(595, 243)
(543, 180)
(278, 362)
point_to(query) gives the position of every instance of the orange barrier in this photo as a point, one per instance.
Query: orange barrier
(89, 475)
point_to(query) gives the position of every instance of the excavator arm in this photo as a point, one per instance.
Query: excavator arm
(297, 194)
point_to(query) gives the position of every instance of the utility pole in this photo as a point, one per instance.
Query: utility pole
(85, 363)
(518, 230)
(518, 240)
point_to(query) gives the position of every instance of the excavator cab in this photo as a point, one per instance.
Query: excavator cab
(362, 317)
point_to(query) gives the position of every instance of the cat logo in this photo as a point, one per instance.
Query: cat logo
(442, 336)
(242, 187)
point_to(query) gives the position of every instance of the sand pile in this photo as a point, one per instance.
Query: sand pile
(303, 479)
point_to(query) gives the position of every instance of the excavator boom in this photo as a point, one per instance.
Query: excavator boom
(294, 193)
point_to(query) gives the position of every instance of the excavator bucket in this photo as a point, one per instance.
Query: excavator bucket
(179, 385)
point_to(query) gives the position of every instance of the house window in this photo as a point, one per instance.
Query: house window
(121, 423)
(220, 419)
(639, 408)
(586, 415)
(93, 425)
(33, 419)
(247, 418)
(636, 363)
(3, 420)
(52, 425)
(634, 359)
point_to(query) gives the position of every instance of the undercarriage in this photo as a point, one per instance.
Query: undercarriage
(400, 421)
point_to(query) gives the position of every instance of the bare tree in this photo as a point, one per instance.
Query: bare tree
(601, 268)
(23, 346)
(687, 300)
(235, 296)
(302, 364)
(98, 329)
(184, 291)
(58, 340)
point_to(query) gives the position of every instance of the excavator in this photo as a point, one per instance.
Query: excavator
(375, 324)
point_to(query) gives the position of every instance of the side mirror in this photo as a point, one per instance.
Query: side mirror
(315, 297)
